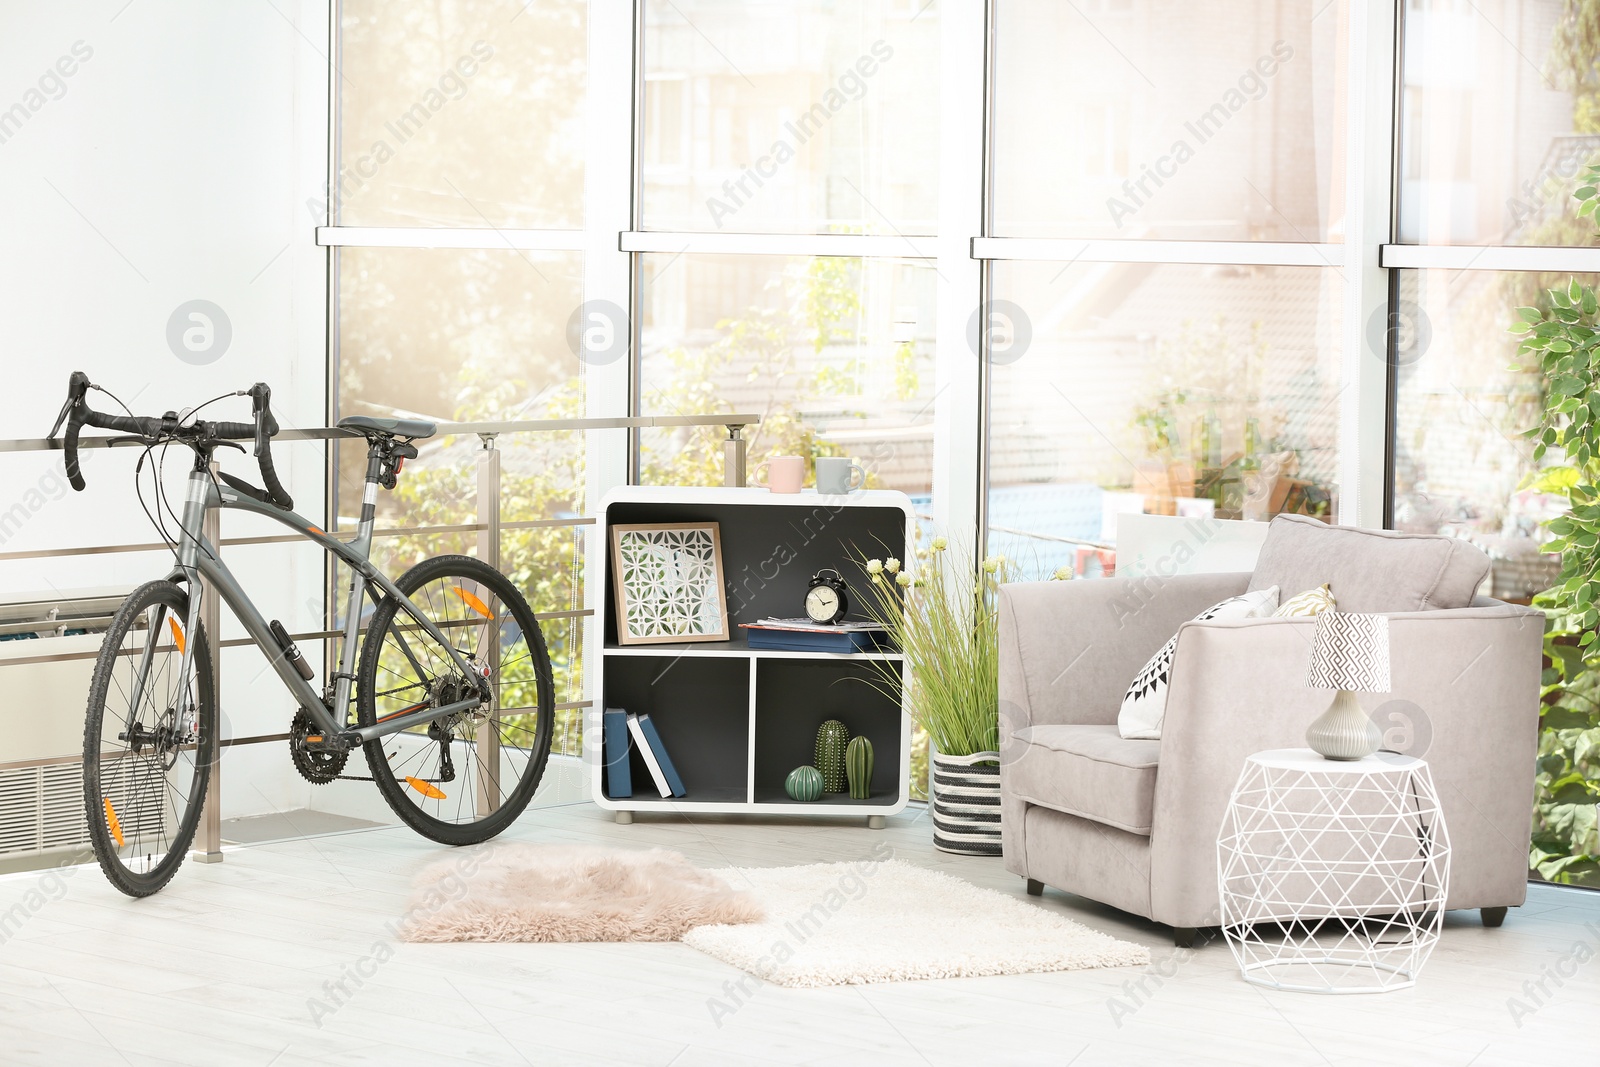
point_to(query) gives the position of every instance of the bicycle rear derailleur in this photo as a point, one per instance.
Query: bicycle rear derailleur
(318, 758)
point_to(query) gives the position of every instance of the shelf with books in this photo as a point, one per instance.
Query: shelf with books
(737, 720)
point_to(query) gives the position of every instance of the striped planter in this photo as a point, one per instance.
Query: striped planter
(965, 796)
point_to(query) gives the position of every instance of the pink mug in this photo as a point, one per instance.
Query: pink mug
(785, 474)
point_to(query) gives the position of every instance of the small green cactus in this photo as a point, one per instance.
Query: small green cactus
(832, 737)
(858, 767)
(804, 783)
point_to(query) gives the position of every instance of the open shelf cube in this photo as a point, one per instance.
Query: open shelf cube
(737, 720)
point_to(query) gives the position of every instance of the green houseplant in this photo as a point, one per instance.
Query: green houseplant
(944, 620)
(1562, 340)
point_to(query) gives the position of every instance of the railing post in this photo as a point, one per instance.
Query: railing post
(211, 618)
(735, 450)
(488, 739)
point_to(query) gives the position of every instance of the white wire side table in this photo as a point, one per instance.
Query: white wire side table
(1332, 874)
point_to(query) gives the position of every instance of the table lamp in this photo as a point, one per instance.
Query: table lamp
(1349, 653)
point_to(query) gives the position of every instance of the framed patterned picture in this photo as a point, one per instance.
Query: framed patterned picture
(668, 582)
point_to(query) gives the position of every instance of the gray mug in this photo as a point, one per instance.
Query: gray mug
(837, 476)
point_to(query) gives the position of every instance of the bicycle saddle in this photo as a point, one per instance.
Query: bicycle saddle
(369, 427)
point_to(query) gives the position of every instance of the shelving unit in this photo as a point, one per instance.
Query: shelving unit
(737, 720)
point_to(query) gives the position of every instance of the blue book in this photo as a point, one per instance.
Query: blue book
(619, 780)
(668, 771)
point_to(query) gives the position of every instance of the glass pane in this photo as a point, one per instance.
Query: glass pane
(461, 113)
(1501, 111)
(1129, 118)
(1463, 468)
(801, 117)
(456, 335)
(1167, 390)
(835, 355)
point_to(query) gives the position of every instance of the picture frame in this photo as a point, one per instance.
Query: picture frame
(668, 582)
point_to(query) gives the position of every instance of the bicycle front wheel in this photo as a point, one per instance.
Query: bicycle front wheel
(463, 777)
(149, 739)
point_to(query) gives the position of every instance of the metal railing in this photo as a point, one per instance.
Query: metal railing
(488, 527)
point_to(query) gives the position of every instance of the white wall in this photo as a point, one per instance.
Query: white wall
(172, 164)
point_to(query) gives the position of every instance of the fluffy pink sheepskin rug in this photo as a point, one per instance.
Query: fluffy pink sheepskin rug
(568, 893)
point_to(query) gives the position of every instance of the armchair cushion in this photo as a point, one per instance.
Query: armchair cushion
(1088, 771)
(1371, 571)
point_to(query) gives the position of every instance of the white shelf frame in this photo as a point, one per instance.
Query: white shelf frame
(875, 813)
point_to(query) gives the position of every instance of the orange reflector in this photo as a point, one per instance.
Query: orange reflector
(177, 633)
(427, 789)
(474, 603)
(113, 823)
(313, 739)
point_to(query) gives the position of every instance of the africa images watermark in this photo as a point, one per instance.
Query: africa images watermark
(352, 976)
(52, 887)
(51, 85)
(1537, 992)
(451, 85)
(851, 886)
(1252, 86)
(850, 86)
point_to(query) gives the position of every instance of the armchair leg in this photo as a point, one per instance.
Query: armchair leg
(1493, 917)
(1183, 936)
(1036, 889)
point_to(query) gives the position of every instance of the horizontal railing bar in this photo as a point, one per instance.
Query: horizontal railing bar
(445, 429)
(285, 539)
(865, 245)
(259, 739)
(244, 642)
(1058, 538)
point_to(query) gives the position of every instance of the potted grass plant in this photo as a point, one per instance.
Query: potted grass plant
(945, 621)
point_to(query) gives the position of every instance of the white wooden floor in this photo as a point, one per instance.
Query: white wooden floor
(230, 963)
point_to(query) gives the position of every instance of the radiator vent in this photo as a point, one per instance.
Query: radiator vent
(42, 807)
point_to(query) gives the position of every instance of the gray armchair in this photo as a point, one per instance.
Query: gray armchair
(1134, 823)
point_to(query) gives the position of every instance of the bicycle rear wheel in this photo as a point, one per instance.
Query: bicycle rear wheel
(462, 778)
(149, 739)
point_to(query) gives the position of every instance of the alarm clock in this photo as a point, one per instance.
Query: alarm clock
(825, 597)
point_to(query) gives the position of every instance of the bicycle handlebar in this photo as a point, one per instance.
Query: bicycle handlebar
(77, 413)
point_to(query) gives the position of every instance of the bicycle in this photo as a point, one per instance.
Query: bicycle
(452, 659)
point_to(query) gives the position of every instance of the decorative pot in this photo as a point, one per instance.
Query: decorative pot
(964, 792)
(858, 767)
(804, 783)
(832, 737)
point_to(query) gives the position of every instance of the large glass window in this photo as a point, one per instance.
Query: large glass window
(835, 355)
(1163, 389)
(466, 113)
(1217, 121)
(1501, 112)
(802, 116)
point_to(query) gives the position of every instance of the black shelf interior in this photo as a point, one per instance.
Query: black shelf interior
(701, 709)
(796, 696)
(770, 552)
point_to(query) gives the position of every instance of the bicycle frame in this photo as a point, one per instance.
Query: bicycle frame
(201, 570)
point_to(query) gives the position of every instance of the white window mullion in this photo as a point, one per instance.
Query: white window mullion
(957, 469)
(1369, 193)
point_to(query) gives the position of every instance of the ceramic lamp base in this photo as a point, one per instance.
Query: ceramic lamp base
(1344, 732)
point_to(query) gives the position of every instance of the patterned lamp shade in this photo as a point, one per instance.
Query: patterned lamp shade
(1350, 651)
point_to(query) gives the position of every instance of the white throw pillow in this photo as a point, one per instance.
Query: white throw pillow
(1145, 705)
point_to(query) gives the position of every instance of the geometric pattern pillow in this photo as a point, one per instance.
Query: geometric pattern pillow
(1311, 602)
(1145, 704)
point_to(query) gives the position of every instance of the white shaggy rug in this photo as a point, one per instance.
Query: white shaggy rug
(887, 921)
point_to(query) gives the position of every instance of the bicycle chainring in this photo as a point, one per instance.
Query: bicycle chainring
(319, 766)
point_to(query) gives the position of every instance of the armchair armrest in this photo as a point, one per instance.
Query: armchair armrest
(1069, 649)
(1465, 698)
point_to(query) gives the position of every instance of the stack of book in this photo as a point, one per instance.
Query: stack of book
(619, 726)
(803, 635)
